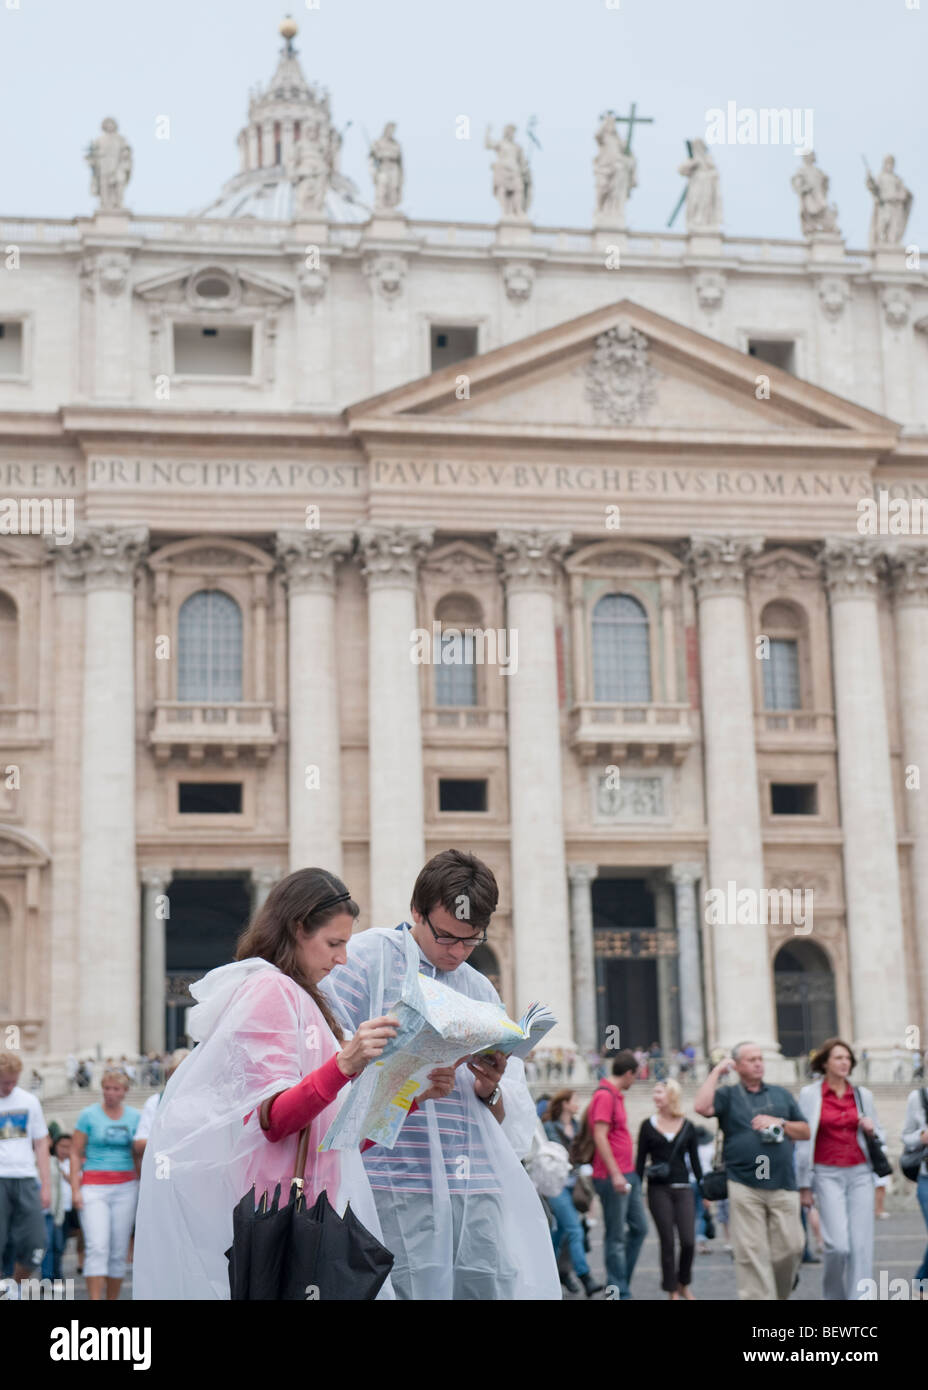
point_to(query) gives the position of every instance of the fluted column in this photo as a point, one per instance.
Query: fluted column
(744, 995)
(391, 557)
(684, 878)
(155, 884)
(871, 862)
(909, 569)
(581, 878)
(530, 562)
(308, 560)
(109, 893)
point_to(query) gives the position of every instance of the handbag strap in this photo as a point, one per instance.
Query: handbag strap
(302, 1149)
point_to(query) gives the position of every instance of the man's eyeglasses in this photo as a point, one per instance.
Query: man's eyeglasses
(444, 939)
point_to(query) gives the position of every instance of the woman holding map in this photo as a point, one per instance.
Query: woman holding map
(270, 1060)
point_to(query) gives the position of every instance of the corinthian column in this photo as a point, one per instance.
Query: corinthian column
(909, 569)
(744, 996)
(391, 556)
(581, 878)
(109, 894)
(684, 878)
(530, 567)
(308, 560)
(154, 887)
(871, 859)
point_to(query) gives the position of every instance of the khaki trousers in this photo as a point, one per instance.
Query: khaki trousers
(768, 1241)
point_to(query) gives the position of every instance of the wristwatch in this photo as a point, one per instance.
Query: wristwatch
(493, 1097)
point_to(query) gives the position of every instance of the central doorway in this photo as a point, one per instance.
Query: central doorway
(804, 985)
(208, 912)
(625, 951)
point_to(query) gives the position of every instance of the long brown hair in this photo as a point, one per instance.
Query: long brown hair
(297, 907)
(556, 1105)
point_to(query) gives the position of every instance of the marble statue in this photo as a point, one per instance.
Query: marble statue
(816, 214)
(313, 169)
(892, 203)
(614, 170)
(512, 175)
(703, 195)
(386, 165)
(110, 160)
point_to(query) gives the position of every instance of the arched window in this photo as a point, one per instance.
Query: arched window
(9, 651)
(804, 985)
(621, 651)
(782, 683)
(209, 648)
(6, 959)
(456, 669)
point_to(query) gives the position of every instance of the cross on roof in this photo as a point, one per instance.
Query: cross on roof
(631, 120)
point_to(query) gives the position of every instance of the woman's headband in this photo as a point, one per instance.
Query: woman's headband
(331, 902)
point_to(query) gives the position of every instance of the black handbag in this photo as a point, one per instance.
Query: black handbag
(878, 1160)
(911, 1160)
(659, 1173)
(714, 1185)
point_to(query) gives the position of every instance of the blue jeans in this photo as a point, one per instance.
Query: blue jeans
(922, 1190)
(626, 1228)
(700, 1211)
(567, 1224)
(51, 1265)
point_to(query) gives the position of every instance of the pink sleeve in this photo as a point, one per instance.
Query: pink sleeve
(600, 1109)
(293, 1109)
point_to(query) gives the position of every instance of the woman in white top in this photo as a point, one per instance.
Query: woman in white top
(915, 1136)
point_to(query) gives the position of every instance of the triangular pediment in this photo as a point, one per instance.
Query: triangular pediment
(187, 283)
(622, 368)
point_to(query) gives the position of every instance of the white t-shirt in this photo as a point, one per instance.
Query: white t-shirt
(21, 1122)
(148, 1117)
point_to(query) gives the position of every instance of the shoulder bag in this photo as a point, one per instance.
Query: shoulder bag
(659, 1173)
(714, 1185)
(911, 1160)
(878, 1160)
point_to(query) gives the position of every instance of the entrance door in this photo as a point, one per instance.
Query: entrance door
(804, 984)
(625, 947)
(207, 916)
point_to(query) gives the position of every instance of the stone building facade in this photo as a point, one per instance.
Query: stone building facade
(608, 482)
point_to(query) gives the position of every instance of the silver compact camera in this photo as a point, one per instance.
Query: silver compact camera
(773, 1134)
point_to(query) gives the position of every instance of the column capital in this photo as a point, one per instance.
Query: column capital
(581, 875)
(308, 558)
(531, 559)
(718, 563)
(852, 566)
(391, 554)
(155, 879)
(685, 873)
(908, 570)
(100, 557)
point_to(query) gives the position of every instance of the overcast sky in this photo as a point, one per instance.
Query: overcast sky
(859, 65)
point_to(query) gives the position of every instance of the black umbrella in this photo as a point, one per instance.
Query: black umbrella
(292, 1253)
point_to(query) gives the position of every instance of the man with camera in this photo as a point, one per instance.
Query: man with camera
(760, 1124)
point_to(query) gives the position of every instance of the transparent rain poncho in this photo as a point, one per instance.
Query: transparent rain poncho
(457, 1209)
(258, 1033)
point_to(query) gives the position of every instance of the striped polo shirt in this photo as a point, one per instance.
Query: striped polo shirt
(406, 1167)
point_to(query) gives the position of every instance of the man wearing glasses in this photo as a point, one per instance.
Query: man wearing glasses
(457, 1208)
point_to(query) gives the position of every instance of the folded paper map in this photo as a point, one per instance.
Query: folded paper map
(437, 1027)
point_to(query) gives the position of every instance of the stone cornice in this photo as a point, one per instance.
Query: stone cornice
(531, 559)
(718, 563)
(852, 566)
(908, 569)
(308, 558)
(391, 554)
(101, 557)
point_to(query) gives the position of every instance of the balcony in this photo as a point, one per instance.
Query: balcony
(197, 727)
(803, 729)
(610, 733)
(468, 724)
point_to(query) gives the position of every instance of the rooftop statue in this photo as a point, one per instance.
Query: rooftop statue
(110, 160)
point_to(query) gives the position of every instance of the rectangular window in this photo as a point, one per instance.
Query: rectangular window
(462, 794)
(200, 351)
(781, 675)
(11, 348)
(794, 798)
(779, 352)
(209, 798)
(451, 345)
